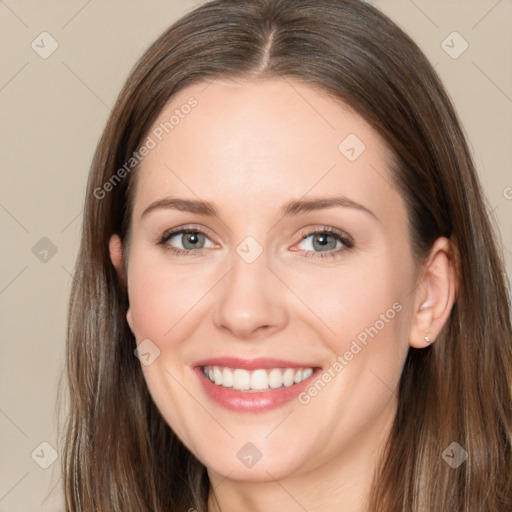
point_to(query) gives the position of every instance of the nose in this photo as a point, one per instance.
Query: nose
(251, 301)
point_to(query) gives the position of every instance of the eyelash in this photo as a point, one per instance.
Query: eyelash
(336, 233)
(176, 250)
(340, 235)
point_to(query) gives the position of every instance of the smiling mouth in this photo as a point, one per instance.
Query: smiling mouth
(259, 380)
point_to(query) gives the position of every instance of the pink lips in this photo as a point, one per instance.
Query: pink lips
(245, 401)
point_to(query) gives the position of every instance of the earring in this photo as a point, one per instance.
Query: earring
(427, 339)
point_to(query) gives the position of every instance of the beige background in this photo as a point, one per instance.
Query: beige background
(53, 111)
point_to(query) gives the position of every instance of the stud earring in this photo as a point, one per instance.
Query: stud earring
(427, 339)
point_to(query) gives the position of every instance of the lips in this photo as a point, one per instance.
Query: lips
(253, 385)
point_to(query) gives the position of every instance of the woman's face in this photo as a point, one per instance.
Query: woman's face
(292, 287)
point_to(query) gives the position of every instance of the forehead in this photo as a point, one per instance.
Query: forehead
(258, 144)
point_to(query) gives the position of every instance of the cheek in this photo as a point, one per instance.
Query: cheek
(363, 311)
(165, 303)
(162, 297)
(360, 300)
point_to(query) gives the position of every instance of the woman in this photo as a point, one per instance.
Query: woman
(288, 294)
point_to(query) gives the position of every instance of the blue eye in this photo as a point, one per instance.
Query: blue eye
(325, 242)
(186, 240)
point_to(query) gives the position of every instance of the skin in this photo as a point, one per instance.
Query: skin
(249, 148)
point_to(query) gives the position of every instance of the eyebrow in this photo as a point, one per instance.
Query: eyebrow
(184, 205)
(320, 203)
(292, 208)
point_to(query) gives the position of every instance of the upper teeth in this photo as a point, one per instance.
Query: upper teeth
(256, 380)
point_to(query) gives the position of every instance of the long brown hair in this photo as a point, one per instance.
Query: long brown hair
(120, 455)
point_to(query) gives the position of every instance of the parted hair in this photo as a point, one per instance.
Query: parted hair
(119, 454)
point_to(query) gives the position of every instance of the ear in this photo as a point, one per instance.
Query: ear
(115, 247)
(435, 294)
